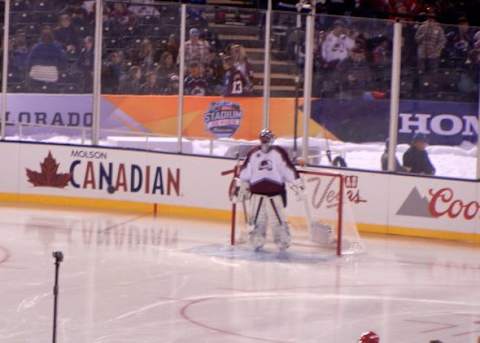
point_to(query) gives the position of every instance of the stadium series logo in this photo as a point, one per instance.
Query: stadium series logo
(223, 118)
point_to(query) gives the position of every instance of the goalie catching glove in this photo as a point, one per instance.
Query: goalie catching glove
(298, 187)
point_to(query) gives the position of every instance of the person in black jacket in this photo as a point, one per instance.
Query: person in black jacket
(415, 159)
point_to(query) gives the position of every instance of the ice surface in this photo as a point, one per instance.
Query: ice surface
(134, 278)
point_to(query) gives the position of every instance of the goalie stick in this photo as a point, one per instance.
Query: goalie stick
(233, 192)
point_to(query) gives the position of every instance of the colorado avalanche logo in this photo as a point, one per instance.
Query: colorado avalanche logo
(266, 165)
(223, 118)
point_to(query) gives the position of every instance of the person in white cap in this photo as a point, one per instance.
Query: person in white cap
(196, 49)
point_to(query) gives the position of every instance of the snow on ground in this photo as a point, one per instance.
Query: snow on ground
(450, 161)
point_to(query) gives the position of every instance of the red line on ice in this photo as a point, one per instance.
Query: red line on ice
(183, 313)
(440, 326)
(465, 333)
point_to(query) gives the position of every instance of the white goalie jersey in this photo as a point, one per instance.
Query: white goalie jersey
(267, 172)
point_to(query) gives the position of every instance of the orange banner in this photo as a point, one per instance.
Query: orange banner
(158, 114)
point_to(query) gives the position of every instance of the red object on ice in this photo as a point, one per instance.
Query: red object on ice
(369, 337)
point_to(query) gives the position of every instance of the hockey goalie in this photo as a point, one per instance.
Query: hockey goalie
(262, 183)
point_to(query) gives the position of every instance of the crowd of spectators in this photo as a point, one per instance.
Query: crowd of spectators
(353, 58)
(52, 50)
(447, 11)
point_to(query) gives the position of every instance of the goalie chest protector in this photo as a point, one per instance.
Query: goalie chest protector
(267, 172)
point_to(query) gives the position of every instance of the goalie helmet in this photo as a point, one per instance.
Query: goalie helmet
(369, 337)
(266, 136)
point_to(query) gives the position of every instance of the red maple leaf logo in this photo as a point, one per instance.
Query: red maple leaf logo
(48, 177)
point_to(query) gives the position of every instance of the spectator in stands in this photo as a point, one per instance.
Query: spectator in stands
(66, 34)
(80, 19)
(146, 55)
(112, 72)
(152, 84)
(359, 39)
(214, 73)
(196, 49)
(474, 54)
(476, 37)
(85, 63)
(459, 42)
(144, 9)
(46, 59)
(172, 46)
(296, 45)
(240, 61)
(19, 53)
(212, 39)
(166, 65)
(118, 20)
(404, 8)
(337, 44)
(235, 83)
(381, 53)
(88, 6)
(357, 72)
(415, 159)
(131, 83)
(171, 85)
(195, 16)
(431, 40)
(195, 82)
(317, 49)
(120, 14)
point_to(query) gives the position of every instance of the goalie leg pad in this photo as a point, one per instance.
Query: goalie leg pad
(258, 234)
(281, 236)
(280, 229)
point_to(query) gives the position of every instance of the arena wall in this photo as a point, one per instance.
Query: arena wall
(105, 178)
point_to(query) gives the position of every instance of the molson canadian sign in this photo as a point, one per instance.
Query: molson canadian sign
(94, 170)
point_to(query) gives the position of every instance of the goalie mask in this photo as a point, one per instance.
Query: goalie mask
(266, 139)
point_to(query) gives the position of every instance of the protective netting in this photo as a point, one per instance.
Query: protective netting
(322, 220)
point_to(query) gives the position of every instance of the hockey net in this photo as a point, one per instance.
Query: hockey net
(322, 221)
